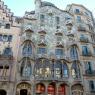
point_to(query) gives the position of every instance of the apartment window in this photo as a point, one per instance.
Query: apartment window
(5, 38)
(42, 17)
(41, 50)
(26, 68)
(1, 37)
(88, 67)
(78, 19)
(7, 26)
(7, 52)
(59, 52)
(4, 71)
(77, 10)
(65, 70)
(85, 51)
(73, 52)
(10, 38)
(1, 70)
(58, 69)
(27, 49)
(57, 20)
(75, 70)
(91, 85)
(0, 25)
(59, 38)
(94, 50)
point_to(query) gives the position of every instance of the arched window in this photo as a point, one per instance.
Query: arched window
(43, 69)
(75, 70)
(58, 69)
(73, 52)
(8, 51)
(27, 49)
(65, 70)
(26, 68)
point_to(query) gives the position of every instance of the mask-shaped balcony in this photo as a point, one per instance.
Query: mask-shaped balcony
(69, 22)
(42, 42)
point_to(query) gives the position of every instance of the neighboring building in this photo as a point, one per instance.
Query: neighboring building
(47, 51)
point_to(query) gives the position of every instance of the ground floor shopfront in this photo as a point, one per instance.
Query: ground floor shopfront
(48, 88)
(44, 88)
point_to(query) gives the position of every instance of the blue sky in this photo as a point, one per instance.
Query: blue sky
(20, 6)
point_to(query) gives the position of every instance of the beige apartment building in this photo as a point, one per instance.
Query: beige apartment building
(48, 51)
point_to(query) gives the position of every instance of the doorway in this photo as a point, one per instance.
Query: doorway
(2, 92)
(23, 92)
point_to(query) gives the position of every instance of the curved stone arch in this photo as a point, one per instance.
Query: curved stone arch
(77, 89)
(23, 86)
(3, 92)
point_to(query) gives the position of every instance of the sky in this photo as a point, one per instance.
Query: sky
(18, 7)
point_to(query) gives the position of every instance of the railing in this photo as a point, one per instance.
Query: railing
(26, 78)
(7, 57)
(4, 78)
(90, 72)
(81, 29)
(52, 78)
(87, 54)
(41, 55)
(84, 39)
(42, 41)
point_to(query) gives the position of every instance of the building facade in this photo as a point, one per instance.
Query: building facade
(48, 51)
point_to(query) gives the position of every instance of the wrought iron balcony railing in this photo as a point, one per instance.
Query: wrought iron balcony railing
(90, 72)
(84, 39)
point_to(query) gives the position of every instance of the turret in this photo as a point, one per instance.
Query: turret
(37, 5)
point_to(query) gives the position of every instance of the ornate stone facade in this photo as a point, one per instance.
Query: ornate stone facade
(49, 51)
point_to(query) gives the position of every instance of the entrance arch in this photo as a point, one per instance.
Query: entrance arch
(77, 89)
(23, 89)
(3, 92)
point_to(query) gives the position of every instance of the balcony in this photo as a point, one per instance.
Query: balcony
(41, 56)
(26, 78)
(90, 72)
(52, 78)
(80, 28)
(74, 58)
(28, 55)
(78, 13)
(4, 78)
(61, 57)
(42, 42)
(59, 44)
(87, 54)
(69, 22)
(6, 57)
(84, 39)
(72, 42)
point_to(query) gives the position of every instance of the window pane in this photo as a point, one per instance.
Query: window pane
(41, 50)
(59, 51)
